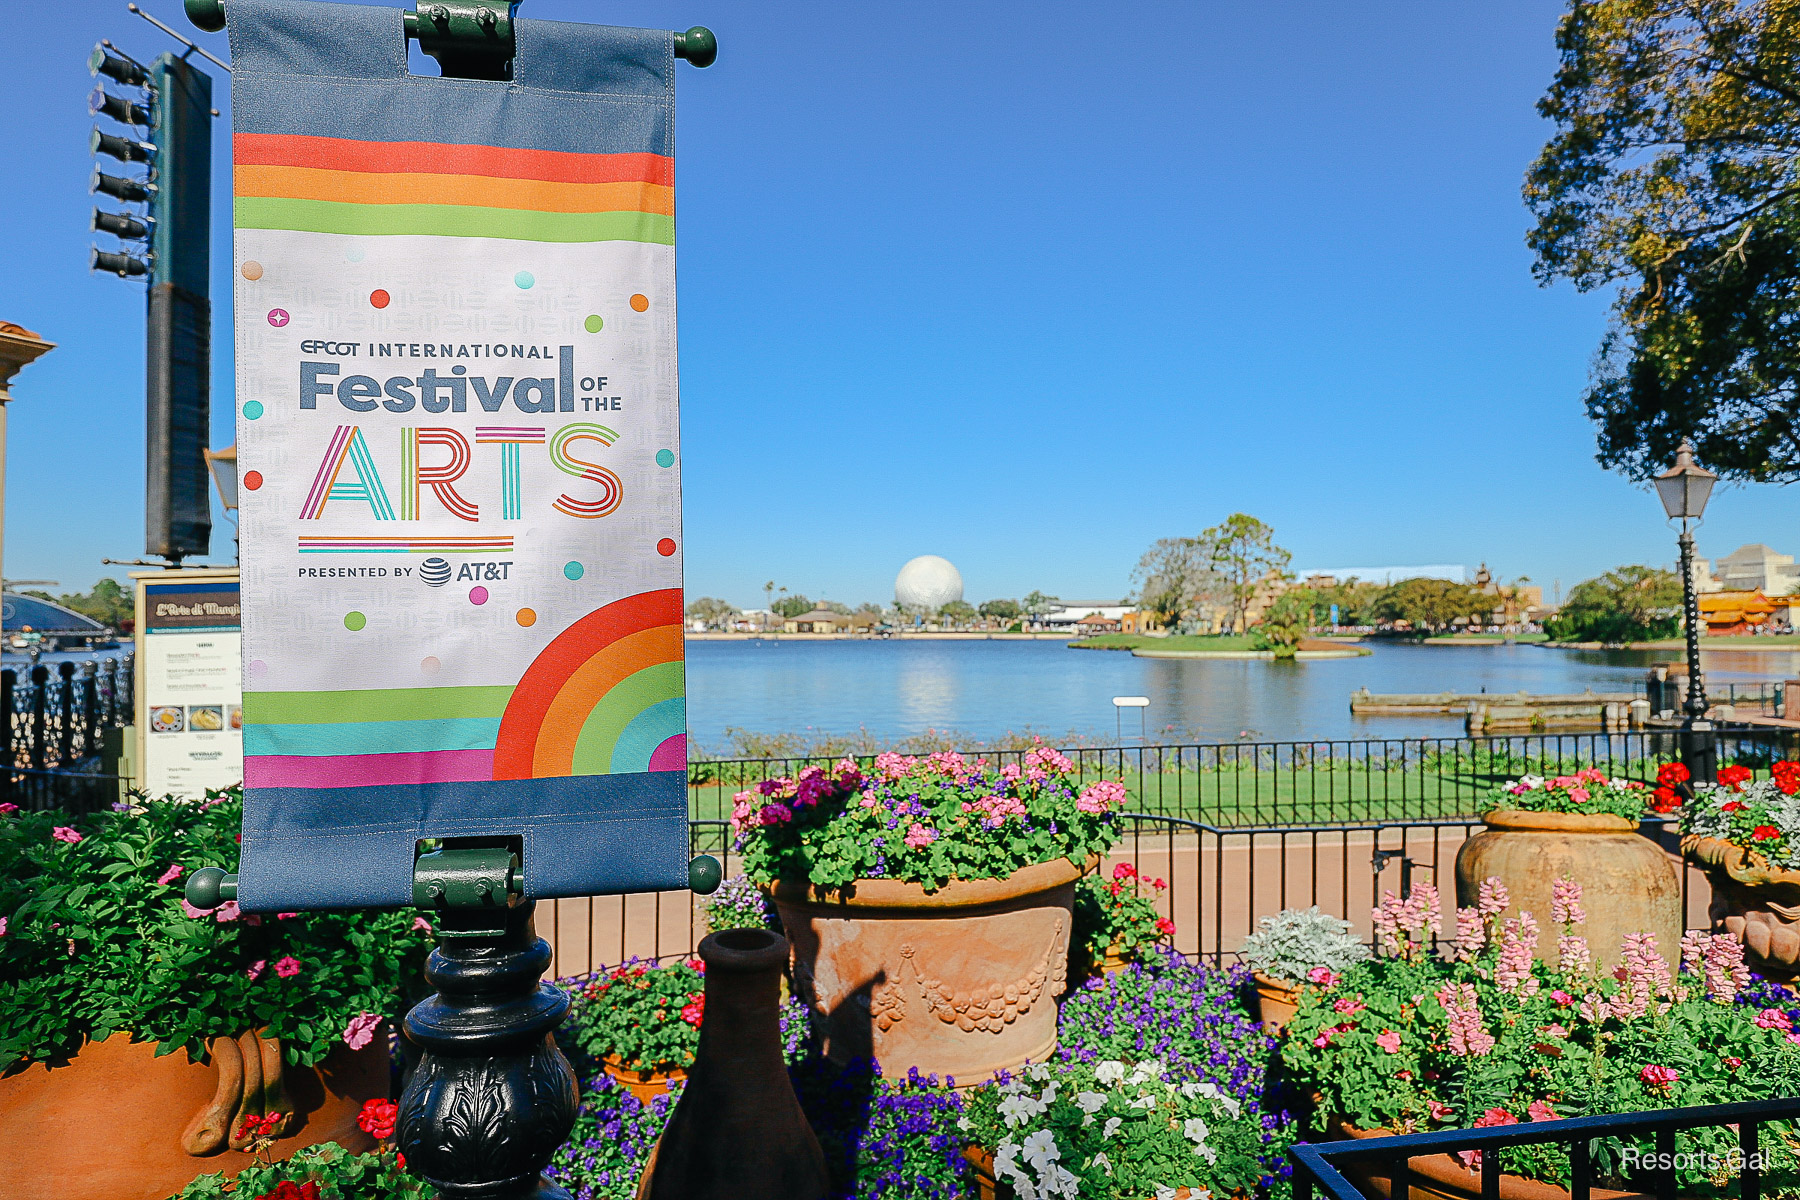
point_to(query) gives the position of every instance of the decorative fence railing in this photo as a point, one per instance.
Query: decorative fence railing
(1325, 782)
(57, 718)
(1601, 1141)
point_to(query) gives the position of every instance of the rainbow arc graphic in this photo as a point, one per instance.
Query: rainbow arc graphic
(605, 697)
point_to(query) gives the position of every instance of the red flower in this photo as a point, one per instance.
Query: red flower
(1787, 777)
(1165, 926)
(1763, 833)
(1732, 806)
(1734, 777)
(1670, 774)
(377, 1119)
(287, 1189)
(694, 1011)
(254, 1127)
(1666, 800)
(1124, 871)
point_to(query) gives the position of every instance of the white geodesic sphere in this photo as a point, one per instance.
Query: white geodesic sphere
(927, 582)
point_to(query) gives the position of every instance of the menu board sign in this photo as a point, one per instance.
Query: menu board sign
(190, 695)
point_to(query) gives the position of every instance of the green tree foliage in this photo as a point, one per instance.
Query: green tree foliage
(1673, 175)
(1175, 581)
(110, 602)
(1037, 603)
(1242, 552)
(1627, 604)
(711, 610)
(791, 606)
(1286, 622)
(957, 612)
(1431, 604)
(1002, 610)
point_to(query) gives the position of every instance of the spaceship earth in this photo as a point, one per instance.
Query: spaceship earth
(928, 582)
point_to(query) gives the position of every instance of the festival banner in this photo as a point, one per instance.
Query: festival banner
(458, 453)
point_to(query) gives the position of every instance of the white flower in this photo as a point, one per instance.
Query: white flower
(1531, 782)
(1148, 1070)
(1090, 1102)
(1041, 1150)
(1049, 1096)
(1063, 1181)
(1202, 1088)
(1110, 1072)
(1166, 1193)
(1111, 1127)
(1016, 1110)
(1038, 1071)
(1194, 1130)
(1145, 1101)
(1006, 1163)
(1104, 1163)
(963, 1124)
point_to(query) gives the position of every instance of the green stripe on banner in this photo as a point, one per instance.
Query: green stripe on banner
(374, 704)
(451, 220)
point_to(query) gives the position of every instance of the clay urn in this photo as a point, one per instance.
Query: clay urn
(1277, 1000)
(1758, 902)
(738, 1131)
(1628, 883)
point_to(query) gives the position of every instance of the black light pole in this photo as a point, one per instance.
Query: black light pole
(1684, 489)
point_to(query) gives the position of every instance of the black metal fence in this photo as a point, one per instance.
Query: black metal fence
(1324, 782)
(1387, 1165)
(57, 720)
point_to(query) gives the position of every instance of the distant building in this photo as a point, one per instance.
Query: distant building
(1096, 623)
(1736, 612)
(1070, 612)
(819, 620)
(1756, 568)
(1331, 576)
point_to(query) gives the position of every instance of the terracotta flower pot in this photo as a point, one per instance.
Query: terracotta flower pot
(1759, 903)
(1628, 884)
(959, 982)
(115, 1122)
(1443, 1177)
(987, 1187)
(646, 1084)
(1277, 1000)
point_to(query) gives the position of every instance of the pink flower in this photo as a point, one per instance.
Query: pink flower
(172, 874)
(1659, 1076)
(1349, 1007)
(1469, 1038)
(2, 926)
(7, 810)
(1554, 1030)
(920, 836)
(361, 1030)
(1493, 1116)
(1439, 1110)
(421, 925)
(1323, 1040)
(1565, 902)
(1562, 998)
(1322, 976)
(1773, 1018)
(285, 916)
(1573, 956)
(63, 833)
(1578, 794)
(227, 911)
(287, 967)
(1388, 1040)
(1493, 899)
(1518, 945)
(776, 813)
(191, 912)
(255, 969)
(1539, 1111)
(1471, 935)
(1101, 796)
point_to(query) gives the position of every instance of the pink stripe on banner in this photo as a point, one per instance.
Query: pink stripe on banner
(368, 770)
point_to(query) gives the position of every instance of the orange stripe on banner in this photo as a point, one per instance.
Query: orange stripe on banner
(555, 752)
(538, 195)
(551, 669)
(442, 158)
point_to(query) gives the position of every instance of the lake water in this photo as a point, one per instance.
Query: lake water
(983, 689)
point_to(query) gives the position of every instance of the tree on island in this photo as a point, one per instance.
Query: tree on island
(957, 612)
(1431, 604)
(1627, 604)
(1175, 582)
(1286, 622)
(791, 605)
(713, 611)
(1242, 552)
(1001, 610)
(1037, 603)
(1673, 175)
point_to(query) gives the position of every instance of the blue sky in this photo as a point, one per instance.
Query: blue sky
(1027, 286)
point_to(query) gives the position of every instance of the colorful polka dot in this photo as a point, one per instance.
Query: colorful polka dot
(666, 547)
(252, 480)
(640, 302)
(252, 409)
(574, 570)
(593, 324)
(478, 595)
(430, 664)
(379, 298)
(278, 317)
(258, 667)
(252, 270)
(524, 279)
(665, 458)
(355, 254)
(354, 620)
(527, 617)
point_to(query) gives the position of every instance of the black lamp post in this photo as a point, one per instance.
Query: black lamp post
(1684, 489)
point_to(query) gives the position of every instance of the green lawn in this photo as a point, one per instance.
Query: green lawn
(1132, 641)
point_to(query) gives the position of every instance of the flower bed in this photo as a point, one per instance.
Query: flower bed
(923, 820)
(1588, 791)
(643, 1016)
(1758, 816)
(1493, 1036)
(95, 937)
(1116, 920)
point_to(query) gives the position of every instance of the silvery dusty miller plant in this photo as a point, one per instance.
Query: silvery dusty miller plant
(1295, 941)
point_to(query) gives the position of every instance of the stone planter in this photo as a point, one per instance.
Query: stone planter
(646, 1084)
(1628, 884)
(115, 1122)
(1277, 1000)
(1759, 903)
(959, 982)
(1443, 1177)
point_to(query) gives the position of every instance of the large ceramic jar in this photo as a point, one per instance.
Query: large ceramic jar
(116, 1122)
(1759, 903)
(960, 982)
(1628, 883)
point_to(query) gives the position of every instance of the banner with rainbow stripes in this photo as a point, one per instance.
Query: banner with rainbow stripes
(459, 451)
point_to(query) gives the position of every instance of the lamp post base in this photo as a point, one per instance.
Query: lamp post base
(1699, 741)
